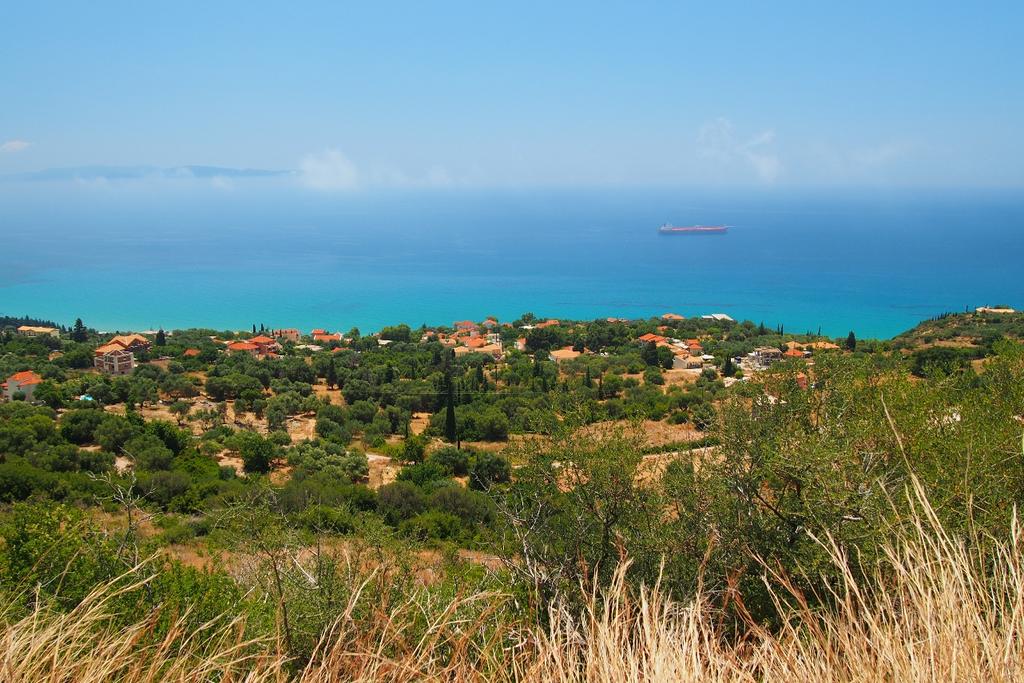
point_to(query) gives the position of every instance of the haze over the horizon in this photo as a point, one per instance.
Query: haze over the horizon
(525, 95)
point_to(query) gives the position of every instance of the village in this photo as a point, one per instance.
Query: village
(119, 354)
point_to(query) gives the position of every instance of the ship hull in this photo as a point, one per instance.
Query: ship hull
(693, 230)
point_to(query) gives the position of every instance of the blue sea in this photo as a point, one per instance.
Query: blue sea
(137, 255)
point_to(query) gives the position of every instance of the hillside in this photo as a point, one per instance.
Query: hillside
(324, 506)
(963, 330)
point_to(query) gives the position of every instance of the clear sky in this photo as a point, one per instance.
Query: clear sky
(523, 94)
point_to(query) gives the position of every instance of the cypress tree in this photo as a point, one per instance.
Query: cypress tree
(161, 338)
(587, 381)
(728, 370)
(79, 333)
(450, 430)
(851, 341)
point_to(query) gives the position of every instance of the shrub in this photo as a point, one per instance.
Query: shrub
(321, 518)
(149, 453)
(400, 500)
(472, 507)
(454, 461)
(114, 432)
(653, 376)
(423, 474)
(432, 525)
(488, 469)
(79, 426)
(163, 487)
(19, 480)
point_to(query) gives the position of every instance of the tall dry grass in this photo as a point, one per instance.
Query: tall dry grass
(82, 646)
(934, 608)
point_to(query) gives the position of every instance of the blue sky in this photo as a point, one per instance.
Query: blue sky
(476, 94)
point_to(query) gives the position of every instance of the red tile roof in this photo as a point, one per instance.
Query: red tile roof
(242, 346)
(128, 340)
(25, 378)
(110, 347)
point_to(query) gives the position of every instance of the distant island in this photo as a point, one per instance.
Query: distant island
(141, 172)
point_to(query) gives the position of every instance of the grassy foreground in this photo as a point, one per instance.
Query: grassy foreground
(930, 609)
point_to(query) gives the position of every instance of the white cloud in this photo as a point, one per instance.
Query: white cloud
(14, 146)
(717, 140)
(332, 170)
(329, 170)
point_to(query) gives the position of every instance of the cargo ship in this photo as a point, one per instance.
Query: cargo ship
(692, 229)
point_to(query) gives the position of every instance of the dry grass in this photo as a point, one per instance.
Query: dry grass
(933, 609)
(81, 646)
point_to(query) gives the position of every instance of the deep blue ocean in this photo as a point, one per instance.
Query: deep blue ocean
(140, 256)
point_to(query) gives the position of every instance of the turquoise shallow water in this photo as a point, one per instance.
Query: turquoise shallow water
(184, 255)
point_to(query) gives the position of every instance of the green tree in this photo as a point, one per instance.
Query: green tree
(79, 426)
(450, 428)
(79, 333)
(257, 452)
(114, 432)
(149, 453)
(161, 338)
(413, 448)
(649, 353)
(575, 506)
(180, 410)
(851, 341)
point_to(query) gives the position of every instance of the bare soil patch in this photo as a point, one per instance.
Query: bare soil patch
(383, 470)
